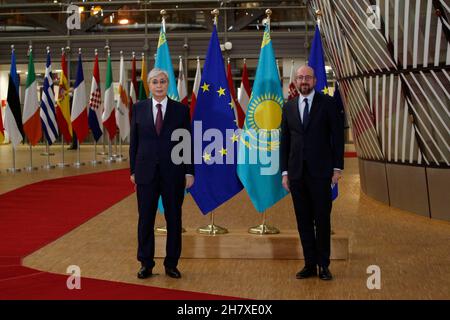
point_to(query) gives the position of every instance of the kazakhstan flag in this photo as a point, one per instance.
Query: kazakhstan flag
(259, 145)
(163, 61)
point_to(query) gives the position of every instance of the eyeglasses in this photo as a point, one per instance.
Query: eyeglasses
(307, 78)
(162, 81)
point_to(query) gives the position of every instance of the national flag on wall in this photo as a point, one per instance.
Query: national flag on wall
(108, 117)
(216, 180)
(263, 116)
(316, 61)
(122, 114)
(181, 86)
(95, 103)
(79, 115)
(63, 103)
(164, 62)
(134, 89)
(143, 85)
(293, 92)
(13, 113)
(31, 112)
(239, 114)
(198, 76)
(245, 90)
(48, 112)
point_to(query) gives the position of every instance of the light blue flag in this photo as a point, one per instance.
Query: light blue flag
(260, 137)
(163, 61)
(316, 61)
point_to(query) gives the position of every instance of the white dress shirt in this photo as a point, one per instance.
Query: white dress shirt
(155, 109)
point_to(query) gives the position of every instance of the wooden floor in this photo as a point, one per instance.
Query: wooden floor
(413, 252)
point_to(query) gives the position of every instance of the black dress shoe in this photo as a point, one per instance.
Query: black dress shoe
(325, 274)
(144, 272)
(173, 272)
(307, 272)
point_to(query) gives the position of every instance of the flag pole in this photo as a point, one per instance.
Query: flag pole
(31, 168)
(110, 158)
(263, 228)
(62, 164)
(13, 169)
(78, 163)
(47, 152)
(94, 162)
(213, 229)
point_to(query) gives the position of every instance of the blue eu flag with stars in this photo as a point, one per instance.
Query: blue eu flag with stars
(216, 180)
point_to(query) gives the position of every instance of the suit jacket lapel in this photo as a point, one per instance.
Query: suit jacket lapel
(314, 109)
(297, 114)
(168, 115)
(150, 114)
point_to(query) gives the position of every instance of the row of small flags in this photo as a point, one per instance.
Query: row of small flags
(213, 94)
(50, 118)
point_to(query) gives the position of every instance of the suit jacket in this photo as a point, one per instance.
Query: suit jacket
(320, 144)
(148, 150)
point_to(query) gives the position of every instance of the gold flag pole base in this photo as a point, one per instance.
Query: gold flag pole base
(263, 228)
(212, 229)
(163, 230)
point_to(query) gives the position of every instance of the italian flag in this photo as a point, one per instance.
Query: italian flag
(31, 113)
(108, 117)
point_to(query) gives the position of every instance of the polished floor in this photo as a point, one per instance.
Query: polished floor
(413, 252)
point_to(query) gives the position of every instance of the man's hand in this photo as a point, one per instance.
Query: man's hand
(285, 183)
(336, 176)
(133, 181)
(189, 181)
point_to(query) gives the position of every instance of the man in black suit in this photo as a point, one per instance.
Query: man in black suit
(154, 172)
(312, 158)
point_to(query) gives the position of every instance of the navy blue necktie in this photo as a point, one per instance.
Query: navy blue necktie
(305, 113)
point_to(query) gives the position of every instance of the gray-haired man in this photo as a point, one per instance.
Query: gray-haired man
(155, 174)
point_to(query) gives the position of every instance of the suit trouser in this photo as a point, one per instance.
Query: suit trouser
(172, 193)
(312, 204)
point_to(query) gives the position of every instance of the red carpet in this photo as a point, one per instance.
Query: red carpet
(37, 214)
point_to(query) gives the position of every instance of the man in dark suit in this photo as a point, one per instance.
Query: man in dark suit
(312, 158)
(154, 172)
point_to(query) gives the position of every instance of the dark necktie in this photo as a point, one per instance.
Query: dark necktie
(159, 119)
(305, 113)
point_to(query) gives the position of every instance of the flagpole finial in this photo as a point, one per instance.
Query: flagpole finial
(109, 52)
(228, 60)
(163, 19)
(215, 13)
(163, 12)
(48, 49)
(292, 61)
(62, 50)
(133, 54)
(142, 55)
(96, 52)
(79, 50)
(198, 58)
(12, 47)
(245, 60)
(268, 13)
(121, 53)
(318, 13)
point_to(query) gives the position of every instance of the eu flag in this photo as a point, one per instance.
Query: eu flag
(261, 133)
(216, 180)
(317, 62)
